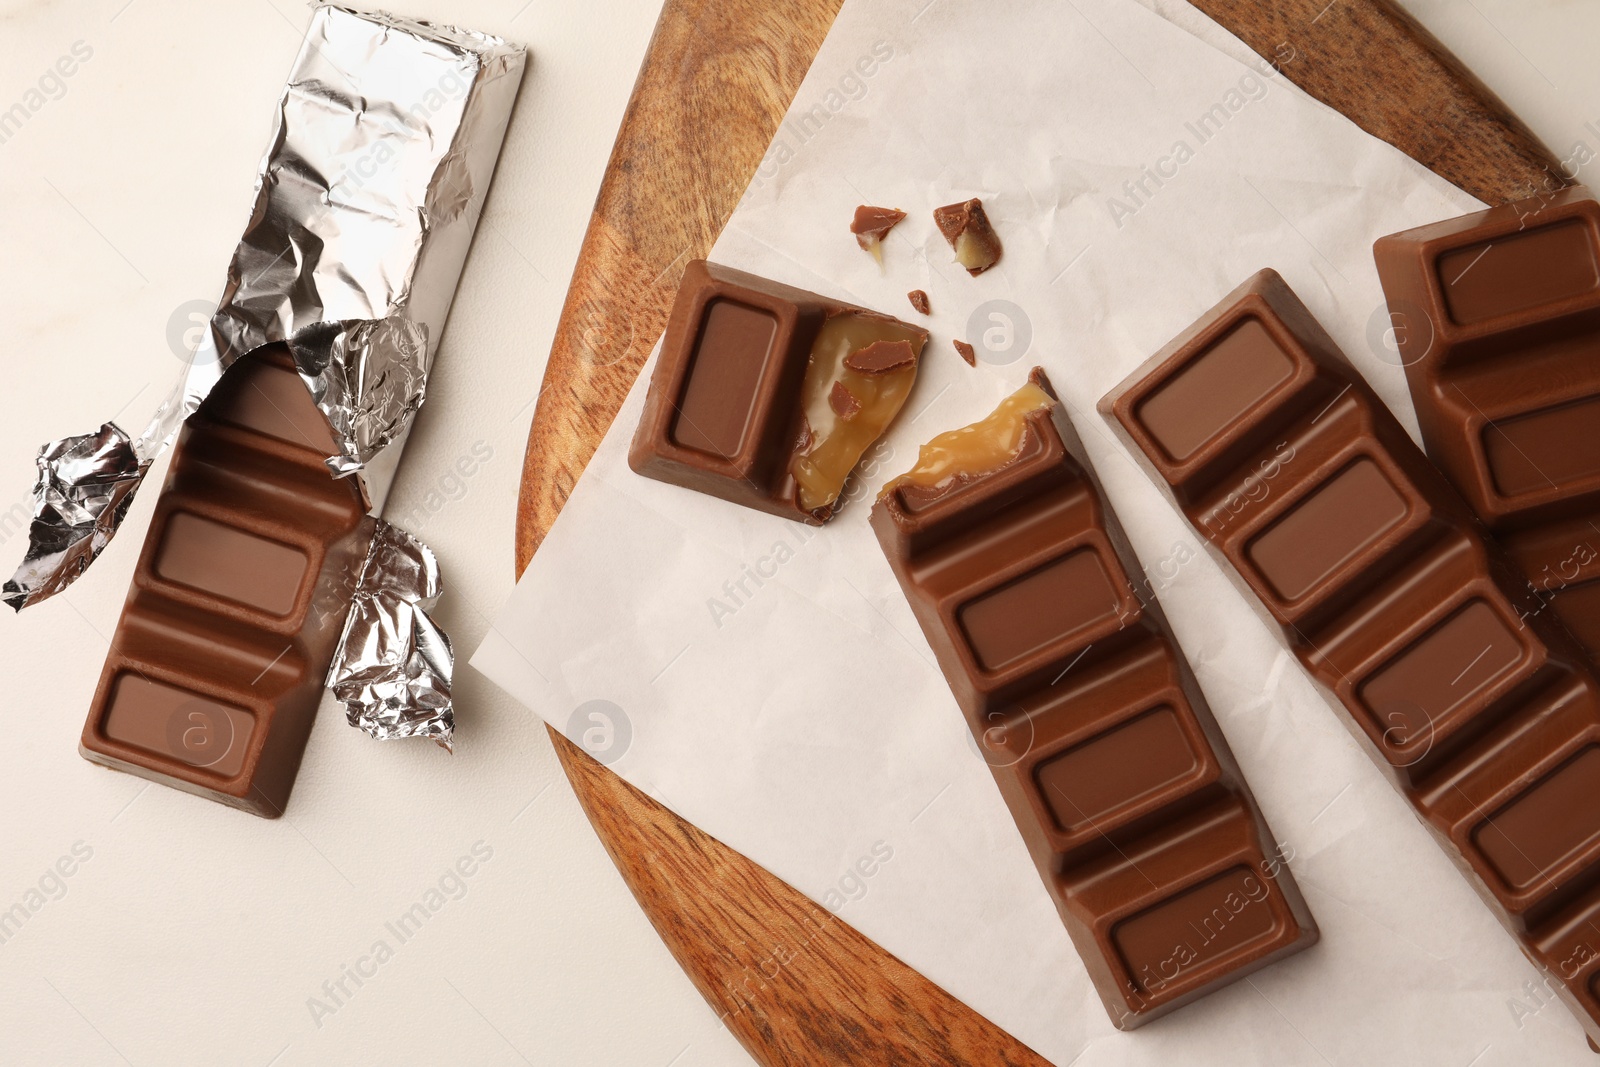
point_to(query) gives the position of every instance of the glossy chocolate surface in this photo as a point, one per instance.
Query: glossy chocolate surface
(1497, 320)
(760, 396)
(1477, 704)
(217, 665)
(1123, 788)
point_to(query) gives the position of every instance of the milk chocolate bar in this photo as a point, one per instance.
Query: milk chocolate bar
(1497, 318)
(1123, 788)
(767, 395)
(1479, 707)
(217, 664)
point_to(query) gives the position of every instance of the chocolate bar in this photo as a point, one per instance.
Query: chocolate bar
(1497, 319)
(767, 395)
(217, 664)
(1123, 788)
(1476, 704)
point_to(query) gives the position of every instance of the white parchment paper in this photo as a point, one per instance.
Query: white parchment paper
(768, 682)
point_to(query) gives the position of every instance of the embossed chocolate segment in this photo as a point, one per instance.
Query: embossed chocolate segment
(170, 722)
(1448, 669)
(1556, 818)
(268, 400)
(1115, 770)
(1199, 928)
(1544, 449)
(1468, 693)
(1498, 319)
(1518, 272)
(1332, 526)
(719, 405)
(1046, 606)
(767, 395)
(1215, 389)
(1098, 737)
(216, 558)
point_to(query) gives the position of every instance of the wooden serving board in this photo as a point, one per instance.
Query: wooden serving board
(793, 983)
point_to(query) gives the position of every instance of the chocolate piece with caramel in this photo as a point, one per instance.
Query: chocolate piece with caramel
(872, 224)
(767, 395)
(1123, 788)
(966, 227)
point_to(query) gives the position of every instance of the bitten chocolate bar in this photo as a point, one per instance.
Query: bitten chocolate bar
(217, 664)
(1497, 316)
(1162, 868)
(1479, 707)
(767, 395)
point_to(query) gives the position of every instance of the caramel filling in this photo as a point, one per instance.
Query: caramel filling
(976, 450)
(841, 431)
(974, 253)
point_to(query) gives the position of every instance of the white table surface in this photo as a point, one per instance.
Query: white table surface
(193, 933)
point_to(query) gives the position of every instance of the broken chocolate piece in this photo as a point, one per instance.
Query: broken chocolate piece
(844, 402)
(919, 300)
(880, 357)
(741, 402)
(1146, 835)
(872, 224)
(967, 352)
(966, 227)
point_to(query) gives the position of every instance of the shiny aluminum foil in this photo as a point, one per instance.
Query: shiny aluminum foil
(84, 487)
(368, 376)
(393, 666)
(382, 148)
(381, 153)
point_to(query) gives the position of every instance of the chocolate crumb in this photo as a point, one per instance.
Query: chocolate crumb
(919, 300)
(872, 224)
(968, 353)
(843, 402)
(880, 357)
(966, 227)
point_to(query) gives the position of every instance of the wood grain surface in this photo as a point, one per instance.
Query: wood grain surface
(790, 981)
(1390, 76)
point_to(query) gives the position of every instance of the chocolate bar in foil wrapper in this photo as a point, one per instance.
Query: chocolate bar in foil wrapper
(383, 146)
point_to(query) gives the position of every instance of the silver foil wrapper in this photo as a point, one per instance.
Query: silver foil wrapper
(369, 377)
(380, 156)
(84, 487)
(393, 666)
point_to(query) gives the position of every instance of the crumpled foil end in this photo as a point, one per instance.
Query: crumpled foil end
(393, 666)
(369, 377)
(84, 487)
